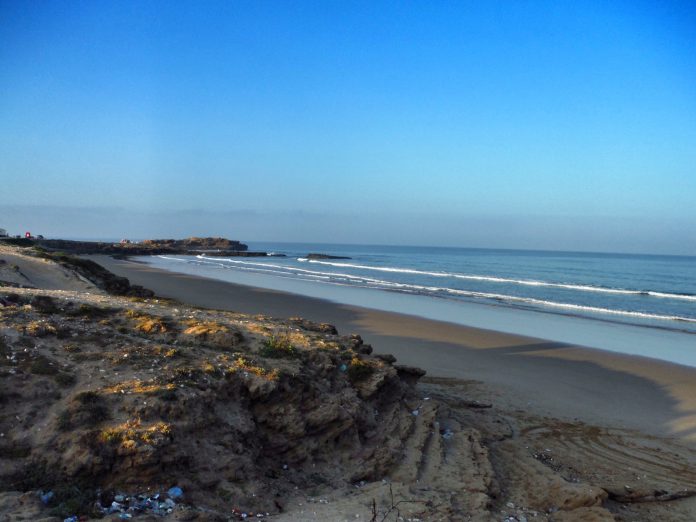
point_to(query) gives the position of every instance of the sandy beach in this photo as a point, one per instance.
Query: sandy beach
(251, 403)
(527, 374)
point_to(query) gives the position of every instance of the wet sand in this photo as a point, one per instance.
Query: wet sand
(528, 374)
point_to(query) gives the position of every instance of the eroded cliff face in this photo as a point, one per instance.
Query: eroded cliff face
(141, 395)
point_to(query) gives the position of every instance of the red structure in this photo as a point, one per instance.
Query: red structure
(27, 235)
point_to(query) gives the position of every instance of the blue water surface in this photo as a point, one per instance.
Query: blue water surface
(647, 302)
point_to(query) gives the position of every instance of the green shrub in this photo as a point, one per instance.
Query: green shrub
(278, 346)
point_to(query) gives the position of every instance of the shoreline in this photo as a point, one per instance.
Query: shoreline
(553, 379)
(651, 341)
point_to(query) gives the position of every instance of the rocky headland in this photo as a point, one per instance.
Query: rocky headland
(211, 246)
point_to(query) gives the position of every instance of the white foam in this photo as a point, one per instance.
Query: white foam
(330, 277)
(294, 270)
(541, 302)
(494, 279)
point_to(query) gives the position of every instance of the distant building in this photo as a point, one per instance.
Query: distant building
(3, 232)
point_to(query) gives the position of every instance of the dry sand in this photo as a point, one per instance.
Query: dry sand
(526, 374)
(34, 272)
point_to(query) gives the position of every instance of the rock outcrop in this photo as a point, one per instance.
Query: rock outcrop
(136, 396)
(192, 246)
(324, 256)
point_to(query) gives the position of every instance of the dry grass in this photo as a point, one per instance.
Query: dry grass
(149, 324)
(139, 387)
(257, 328)
(39, 329)
(132, 433)
(321, 344)
(243, 365)
(212, 333)
(359, 370)
(205, 328)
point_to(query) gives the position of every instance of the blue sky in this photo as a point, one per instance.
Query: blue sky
(560, 125)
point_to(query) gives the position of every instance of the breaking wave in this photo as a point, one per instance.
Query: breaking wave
(342, 278)
(493, 279)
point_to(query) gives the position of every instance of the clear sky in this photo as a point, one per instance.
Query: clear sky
(559, 125)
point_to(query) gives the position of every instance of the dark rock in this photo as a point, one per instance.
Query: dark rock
(365, 349)
(44, 304)
(325, 256)
(314, 327)
(386, 357)
(233, 253)
(409, 374)
(139, 291)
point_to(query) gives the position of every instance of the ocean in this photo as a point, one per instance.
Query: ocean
(639, 304)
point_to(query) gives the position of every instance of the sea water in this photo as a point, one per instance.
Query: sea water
(639, 304)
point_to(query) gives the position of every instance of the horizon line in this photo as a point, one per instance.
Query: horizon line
(507, 249)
